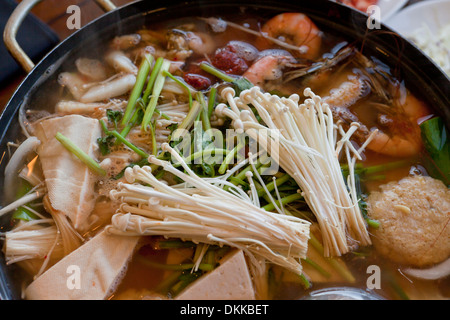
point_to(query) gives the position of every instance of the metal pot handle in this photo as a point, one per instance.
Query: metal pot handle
(106, 5)
(13, 25)
(10, 33)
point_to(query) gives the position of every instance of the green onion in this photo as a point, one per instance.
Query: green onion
(304, 280)
(154, 145)
(216, 72)
(157, 88)
(175, 244)
(202, 153)
(151, 80)
(284, 201)
(229, 157)
(80, 154)
(205, 111)
(365, 171)
(130, 124)
(185, 280)
(144, 69)
(336, 264)
(191, 116)
(316, 266)
(175, 267)
(167, 283)
(239, 83)
(211, 101)
(182, 84)
(277, 182)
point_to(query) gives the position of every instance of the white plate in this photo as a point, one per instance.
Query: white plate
(435, 13)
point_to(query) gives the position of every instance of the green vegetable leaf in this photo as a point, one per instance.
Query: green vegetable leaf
(105, 144)
(241, 84)
(114, 116)
(437, 144)
(172, 127)
(23, 213)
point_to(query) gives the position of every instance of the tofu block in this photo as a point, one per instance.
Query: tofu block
(230, 281)
(92, 272)
(70, 183)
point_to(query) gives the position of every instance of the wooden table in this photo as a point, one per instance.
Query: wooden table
(53, 13)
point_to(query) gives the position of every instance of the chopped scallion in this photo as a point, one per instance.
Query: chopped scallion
(80, 154)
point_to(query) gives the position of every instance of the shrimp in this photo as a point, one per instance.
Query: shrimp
(405, 141)
(267, 68)
(398, 135)
(347, 93)
(296, 29)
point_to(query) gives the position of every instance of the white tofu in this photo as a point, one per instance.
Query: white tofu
(92, 272)
(70, 183)
(230, 281)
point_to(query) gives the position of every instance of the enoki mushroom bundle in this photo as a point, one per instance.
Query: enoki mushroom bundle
(306, 143)
(200, 211)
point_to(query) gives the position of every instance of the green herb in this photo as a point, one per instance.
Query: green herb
(172, 127)
(104, 144)
(362, 203)
(114, 116)
(437, 144)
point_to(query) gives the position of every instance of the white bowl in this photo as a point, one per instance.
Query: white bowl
(434, 13)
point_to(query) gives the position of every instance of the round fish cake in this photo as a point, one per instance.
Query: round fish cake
(414, 216)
